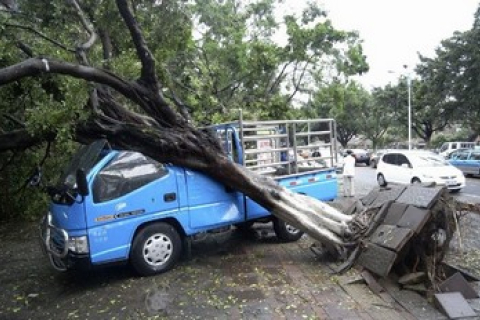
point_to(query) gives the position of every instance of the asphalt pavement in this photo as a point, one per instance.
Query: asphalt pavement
(365, 180)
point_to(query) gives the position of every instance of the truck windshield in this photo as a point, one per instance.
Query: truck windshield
(85, 158)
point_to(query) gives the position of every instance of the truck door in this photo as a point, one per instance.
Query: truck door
(125, 193)
(212, 204)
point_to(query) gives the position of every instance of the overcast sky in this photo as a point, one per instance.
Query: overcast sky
(395, 30)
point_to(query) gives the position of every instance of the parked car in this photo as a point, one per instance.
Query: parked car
(449, 147)
(422, 167)
(361, 156)
(375, 157)
(467, 160)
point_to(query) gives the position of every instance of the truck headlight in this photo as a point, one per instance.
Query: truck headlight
(78, 244)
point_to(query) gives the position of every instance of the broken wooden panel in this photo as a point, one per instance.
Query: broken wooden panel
(372, 282)
(414, 218)
(457, 283)
(412, 278)
(351, 209)
(377, 259)
(387, 194)
(454, 305)
(420, 196)
(355, 207)
(391, 237)
(395, 213)
(378, 217)
(451, 269)
(370, 197)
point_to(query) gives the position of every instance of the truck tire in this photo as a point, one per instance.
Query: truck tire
(381, 180)
(286, 232)
(156, 249)
(245, 226)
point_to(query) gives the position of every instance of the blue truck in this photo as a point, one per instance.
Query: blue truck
(113, 206)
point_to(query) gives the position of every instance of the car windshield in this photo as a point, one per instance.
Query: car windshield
(85, 158)
(428, 160)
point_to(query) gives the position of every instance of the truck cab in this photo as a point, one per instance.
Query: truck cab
(117, 206)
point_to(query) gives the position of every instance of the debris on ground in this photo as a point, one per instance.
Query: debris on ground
(404, 233)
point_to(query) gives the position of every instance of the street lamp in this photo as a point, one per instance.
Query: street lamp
(409, 86)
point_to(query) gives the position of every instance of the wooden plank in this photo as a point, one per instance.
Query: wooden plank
(395, 212)
(457, 283)
(377, 259)
(391, 237)
(454, 305)
(414, 218)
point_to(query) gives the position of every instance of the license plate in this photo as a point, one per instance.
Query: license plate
(451, 182)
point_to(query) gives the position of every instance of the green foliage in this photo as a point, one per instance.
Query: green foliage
(237, 65)
(453, 76)
(344, 102)
(18, 199)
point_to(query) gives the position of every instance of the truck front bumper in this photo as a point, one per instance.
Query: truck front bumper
(54, 242)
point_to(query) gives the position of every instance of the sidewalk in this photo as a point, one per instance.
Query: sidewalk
(261, 279)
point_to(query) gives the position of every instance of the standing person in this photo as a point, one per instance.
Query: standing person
(349, 174)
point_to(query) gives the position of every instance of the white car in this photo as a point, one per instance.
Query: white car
(422, 167)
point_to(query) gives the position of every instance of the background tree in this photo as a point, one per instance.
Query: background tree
(376, 117)
(344, 102)
(453, 77)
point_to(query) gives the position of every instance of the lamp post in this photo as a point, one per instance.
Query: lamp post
(409, 85)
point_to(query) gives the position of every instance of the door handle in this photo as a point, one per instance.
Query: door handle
(169, 197)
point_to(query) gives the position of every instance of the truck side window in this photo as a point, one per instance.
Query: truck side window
(127, 172)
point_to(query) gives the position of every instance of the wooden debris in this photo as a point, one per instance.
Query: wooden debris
(454, 305)
(412, 278)
(457, 283)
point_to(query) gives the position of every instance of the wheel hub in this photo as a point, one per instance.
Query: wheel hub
(157, 249)
(291, 229)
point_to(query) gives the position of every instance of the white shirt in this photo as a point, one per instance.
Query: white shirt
(349, 166)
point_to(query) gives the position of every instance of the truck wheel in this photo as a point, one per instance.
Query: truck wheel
(245, 226)
(416, 181)
(286, 232)
(381, 180)
(155, 249)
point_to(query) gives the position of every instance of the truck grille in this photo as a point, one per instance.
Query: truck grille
(57, 243)
(54, 240)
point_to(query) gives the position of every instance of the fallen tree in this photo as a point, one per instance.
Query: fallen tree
(166, 131)
(162, 129)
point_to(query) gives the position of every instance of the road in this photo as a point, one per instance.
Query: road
(365, 180)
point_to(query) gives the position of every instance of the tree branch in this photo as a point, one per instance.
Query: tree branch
(86, 25)
(22, 139)
(35, 67)
(143, 52)
(41, 35)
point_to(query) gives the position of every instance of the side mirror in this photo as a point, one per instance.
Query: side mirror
(405, 165)
(82, 184)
